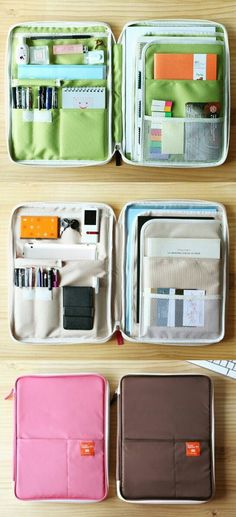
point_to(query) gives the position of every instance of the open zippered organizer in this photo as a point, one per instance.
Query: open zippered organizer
(161, 277)
(118, 102)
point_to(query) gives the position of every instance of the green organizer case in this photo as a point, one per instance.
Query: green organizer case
(80, 137)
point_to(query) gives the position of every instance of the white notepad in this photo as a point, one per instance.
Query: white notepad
(82, 98)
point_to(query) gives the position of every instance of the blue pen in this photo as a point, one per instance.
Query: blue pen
(48, 98)
(38, 283)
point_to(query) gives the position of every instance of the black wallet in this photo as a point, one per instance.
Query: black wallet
(78, 308)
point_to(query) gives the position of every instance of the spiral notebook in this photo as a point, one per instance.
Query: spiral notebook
(82, 98)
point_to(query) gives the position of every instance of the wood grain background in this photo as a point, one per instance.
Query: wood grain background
(115, 186)
(223, 505)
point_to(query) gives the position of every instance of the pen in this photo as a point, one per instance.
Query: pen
(45, 279)
(50, 283)
(54, 98)
(38, 278)
(23, 98)
(26, 277)
(55, 278)
(28, 98)
(48, 98)
(30, 277)
(18, 97)
(39, 98)
(16, 277)
(66, 36)
(14, 104)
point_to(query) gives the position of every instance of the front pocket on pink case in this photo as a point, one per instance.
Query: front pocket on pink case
(41, 469)
(86, 473)
(55, 469)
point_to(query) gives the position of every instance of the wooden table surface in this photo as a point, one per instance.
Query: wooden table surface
(116, 186)
(223, 505)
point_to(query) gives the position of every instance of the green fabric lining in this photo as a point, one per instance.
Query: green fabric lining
(64, 59)
(188, 48)
(181, 92)
(72, 135)
(117, 97)
(34, 140)
(83, 134)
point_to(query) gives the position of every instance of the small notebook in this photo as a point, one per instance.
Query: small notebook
(185, 66)
(82, 98)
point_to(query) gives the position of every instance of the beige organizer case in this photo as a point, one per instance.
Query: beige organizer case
(114, 274)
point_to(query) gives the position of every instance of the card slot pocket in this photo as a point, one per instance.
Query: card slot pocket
(182, 91)
(83, 134)
(180, 318)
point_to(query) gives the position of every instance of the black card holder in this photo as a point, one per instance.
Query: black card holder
(78, 307)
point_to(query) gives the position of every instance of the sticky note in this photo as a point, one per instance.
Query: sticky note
(173, 137)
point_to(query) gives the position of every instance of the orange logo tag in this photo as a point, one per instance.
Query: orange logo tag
(87, 448)
(193, 448)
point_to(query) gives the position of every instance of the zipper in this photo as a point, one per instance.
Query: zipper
(118, 157)
(10, 395)
(118, 335)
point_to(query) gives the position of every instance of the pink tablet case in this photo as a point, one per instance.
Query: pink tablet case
(61, 437)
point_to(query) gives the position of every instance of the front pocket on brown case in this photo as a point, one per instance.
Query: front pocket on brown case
(147, 469)
(193, 473)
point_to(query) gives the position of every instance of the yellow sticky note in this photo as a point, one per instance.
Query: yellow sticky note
(172, 136)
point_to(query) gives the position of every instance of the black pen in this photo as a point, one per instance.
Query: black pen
(16, 277)
(14, 104)
(73, 36)
(50, 275)
(45, 279)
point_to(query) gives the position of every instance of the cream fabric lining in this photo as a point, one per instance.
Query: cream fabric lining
(206, 274)
(43, 319)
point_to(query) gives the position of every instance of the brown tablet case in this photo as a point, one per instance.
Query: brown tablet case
(165, 438)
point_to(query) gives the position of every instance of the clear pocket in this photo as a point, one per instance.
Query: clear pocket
(180, 317)
(182, 140)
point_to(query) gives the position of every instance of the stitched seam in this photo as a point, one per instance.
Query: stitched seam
(67, 462)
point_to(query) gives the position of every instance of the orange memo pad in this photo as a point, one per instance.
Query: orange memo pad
(185, 66)
(39, 227)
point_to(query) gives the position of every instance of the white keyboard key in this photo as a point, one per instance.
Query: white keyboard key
(224, 363)
(211, 366)
(226, 368)
(232, 374)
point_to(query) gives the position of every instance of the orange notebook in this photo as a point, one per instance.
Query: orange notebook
(39, 227)
(185, 66)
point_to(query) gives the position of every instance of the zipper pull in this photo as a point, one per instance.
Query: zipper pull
(113, 398)
(118, 156)
(119, 337)
(10, 396)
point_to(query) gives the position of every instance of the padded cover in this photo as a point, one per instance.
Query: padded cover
(159, 416)
(54, 416)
